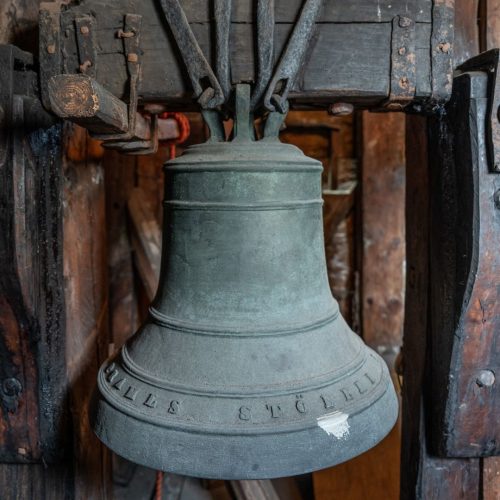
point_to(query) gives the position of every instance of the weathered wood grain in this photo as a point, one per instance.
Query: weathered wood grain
(83, 100)
(32, 365)
(373, 475)
(359, 69)
(146, 240)
(383, 229)
(120, 178)
(86, 293)
(465, 268)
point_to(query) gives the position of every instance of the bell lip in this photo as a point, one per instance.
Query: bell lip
(277, 455)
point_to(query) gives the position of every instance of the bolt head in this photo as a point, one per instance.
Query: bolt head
(84, 30)
(132, 57)
(11, 386)
(51, 48)
(485, 378)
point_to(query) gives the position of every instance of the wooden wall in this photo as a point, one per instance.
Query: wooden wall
(365, 238)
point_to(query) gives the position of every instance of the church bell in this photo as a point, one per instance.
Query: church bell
(244, 368)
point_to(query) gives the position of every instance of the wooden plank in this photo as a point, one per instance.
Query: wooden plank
(466, 26)
(373, 475)
(120, 178)
(86, 292)
(146, 240)
(491, 478)
(383, 229)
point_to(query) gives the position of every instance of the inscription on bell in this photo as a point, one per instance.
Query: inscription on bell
(300, 405)
(174, 407)
(111, 375)
(151, 401)
(274, 410)
(245, 413)
(327, 402)
(131, 393)
(119, 384)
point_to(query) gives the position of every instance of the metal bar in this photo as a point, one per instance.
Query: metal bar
(291, 60)
(205, 85)
(222, 11)
(265, 48)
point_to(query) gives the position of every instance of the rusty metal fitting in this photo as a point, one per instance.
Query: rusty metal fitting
(132, 57)
(444, 47)
(85, 66)
(340, 109)
(404, 82)
(125, 34)
(84, 30)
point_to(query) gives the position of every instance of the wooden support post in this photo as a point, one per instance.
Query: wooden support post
(423, 476)
(86, 292)
(383, 230)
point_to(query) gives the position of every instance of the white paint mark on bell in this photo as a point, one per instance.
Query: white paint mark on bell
(335, 424)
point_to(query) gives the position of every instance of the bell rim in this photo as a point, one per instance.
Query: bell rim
(197, 462)
(127, 406)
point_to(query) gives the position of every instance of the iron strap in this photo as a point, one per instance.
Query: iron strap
(291, 60)
(203, 80)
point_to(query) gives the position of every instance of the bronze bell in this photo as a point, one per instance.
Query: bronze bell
(245, 368)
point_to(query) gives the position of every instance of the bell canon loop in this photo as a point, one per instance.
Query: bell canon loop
(245, 368)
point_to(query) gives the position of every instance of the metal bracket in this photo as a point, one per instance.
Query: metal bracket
(488, 62)
(403, 64)
(132, 27)
(86, 43)
(128, 142)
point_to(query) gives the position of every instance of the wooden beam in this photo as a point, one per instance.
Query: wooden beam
(358, 70)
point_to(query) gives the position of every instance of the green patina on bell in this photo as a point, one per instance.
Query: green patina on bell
(245, 368)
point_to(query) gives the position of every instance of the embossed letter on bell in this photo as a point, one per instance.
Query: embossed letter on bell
(245, 368)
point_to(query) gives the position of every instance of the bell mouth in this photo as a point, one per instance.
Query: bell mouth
(255, 452)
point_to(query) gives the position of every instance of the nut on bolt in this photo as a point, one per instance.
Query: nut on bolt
(340, 109)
